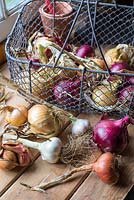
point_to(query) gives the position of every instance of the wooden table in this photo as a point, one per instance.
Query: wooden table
(82, 186)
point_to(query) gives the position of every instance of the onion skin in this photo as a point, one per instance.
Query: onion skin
(16, 116)
(116, 55)
(118, 67)
(100, 63)
(130, 80)
(126, 93)
(111, 135)
(85, 51)
(105, 168)
(42, 120)
(103, 96)
(67, 92)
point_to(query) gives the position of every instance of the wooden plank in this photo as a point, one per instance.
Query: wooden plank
(93, 188)
(9, 177)
(41, 169)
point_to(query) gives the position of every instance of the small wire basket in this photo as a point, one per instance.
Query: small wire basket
(67, 81)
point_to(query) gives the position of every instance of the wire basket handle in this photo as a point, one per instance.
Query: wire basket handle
(94, 35)
(69, 33)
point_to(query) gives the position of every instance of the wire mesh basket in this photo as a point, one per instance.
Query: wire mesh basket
(55, 73)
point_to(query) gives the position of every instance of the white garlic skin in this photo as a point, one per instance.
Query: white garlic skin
(51, 149)
(80, 126)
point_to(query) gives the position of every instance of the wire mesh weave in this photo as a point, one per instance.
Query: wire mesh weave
(101, 25)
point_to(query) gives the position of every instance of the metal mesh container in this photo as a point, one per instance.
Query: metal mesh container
(65, 80)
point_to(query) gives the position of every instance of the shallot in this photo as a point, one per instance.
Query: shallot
(106, 167)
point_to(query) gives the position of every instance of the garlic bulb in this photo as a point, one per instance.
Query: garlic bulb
(80, 126)
(50, 150)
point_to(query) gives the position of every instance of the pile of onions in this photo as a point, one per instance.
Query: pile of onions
(44, 120)
(85, 51)
(112, 135)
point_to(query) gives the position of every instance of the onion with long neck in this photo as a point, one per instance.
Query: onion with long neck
(112, 135)
(106, 167)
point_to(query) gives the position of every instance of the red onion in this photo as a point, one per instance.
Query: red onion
(126, 93)
(130, 79)
(112, 135)
(118, 66)
(85, 51)
(67, 92)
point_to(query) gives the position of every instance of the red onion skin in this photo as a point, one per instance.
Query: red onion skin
(66, 92)
(130, 80)
(126, 93)
(85, 51)
(112, 135)
(118, 67)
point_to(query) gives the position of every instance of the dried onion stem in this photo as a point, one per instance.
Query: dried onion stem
(60, 179)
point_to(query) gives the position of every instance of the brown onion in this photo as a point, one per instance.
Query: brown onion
(104, 96)
(16, 116)
(43, 120)
(116, 55)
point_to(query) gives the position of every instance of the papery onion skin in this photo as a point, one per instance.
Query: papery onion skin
(100, 63)
(43, 120)
(112, 135)
(85, 51)
(104, 96)
(126, 93)
(16, 116)
(105, 168)
(115, 55)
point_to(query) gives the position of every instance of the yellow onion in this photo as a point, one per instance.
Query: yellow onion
(44, 120)
(16, 116)
(104, 96)
(42, 80)
(116, 55)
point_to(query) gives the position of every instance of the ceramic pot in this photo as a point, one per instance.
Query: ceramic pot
(59, 23)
